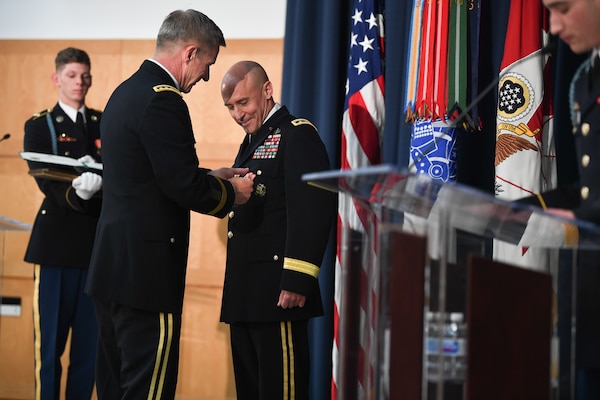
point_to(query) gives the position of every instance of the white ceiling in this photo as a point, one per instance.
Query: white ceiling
(134, 19)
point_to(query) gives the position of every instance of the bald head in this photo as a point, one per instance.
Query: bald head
(251, 71)
(247, 94)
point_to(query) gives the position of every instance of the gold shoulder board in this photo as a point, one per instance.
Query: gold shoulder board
(165, 88)
(303, 121)
(42, 113)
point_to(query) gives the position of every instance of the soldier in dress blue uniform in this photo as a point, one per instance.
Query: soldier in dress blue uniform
(63, 233)
(276, 241)
(577, 22)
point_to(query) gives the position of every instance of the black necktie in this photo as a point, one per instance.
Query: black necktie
(80, 122)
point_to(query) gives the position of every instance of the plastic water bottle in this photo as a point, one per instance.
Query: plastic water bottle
(433, 346)
(455, 348)
(445, 349)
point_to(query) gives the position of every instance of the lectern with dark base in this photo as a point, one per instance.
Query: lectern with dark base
(425, 313)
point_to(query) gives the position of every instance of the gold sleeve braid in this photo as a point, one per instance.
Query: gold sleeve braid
(304, 267)
(223, 200)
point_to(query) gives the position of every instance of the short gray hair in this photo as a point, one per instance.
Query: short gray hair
(189, 25)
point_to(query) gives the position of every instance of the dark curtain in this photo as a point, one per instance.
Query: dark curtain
(396, 139)
(476, 150)
(314, 65)
(314, 73)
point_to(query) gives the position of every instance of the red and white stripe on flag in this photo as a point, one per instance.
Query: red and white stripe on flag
(362, 132)
(525, 158)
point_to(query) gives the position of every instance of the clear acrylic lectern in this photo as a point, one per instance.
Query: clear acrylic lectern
(425, 313)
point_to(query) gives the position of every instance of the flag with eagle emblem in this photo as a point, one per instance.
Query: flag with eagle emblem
(525, 160)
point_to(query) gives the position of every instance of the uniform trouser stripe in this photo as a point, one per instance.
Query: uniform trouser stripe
(162, 356)
(38, 331)
(287, 346)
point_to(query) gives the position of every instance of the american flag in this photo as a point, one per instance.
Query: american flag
(362, 132)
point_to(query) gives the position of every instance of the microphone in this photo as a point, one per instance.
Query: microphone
(463, 117)
(6, 136)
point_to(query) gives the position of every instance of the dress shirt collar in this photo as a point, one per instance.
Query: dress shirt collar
(167, 71)
(275, 108)
(71, 112)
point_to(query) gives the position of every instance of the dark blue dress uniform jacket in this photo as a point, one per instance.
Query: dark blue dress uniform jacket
(151, 182)
(65, 225)
(277, 240)
(584, 200)
(585, 104)
(584, 197)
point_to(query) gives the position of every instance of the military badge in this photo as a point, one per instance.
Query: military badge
(166, 88)
(260, 190)
(269, 148)
(66, 138)
(303, 121)
(42, 113)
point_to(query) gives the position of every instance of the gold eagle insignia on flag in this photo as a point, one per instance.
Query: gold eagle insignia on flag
(507, 145)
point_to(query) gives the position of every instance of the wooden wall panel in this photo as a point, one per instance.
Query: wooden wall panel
(25, 71)
(16, 343)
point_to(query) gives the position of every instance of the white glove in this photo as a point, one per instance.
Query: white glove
(87, 184)
(87, 159)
